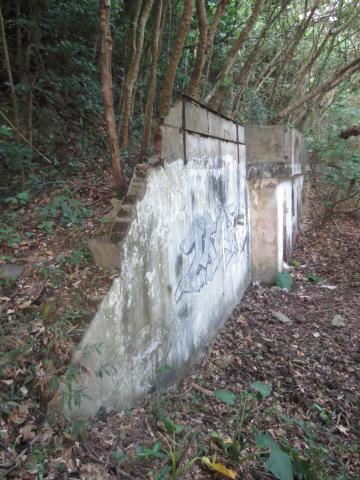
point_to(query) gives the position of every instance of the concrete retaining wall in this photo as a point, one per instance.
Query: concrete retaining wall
(184, 249)
(184, 261)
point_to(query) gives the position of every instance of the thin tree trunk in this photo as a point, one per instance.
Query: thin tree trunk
(214, 26)
(215, 97)
(201, 49)
(310, 107)
(312, 59)
(211, 36)
(338, 77)
(18, 36)
(30, 117)
(132, 75)
(149, 106)
(269, 69)
(132, 9)
(107, 94)
(290, 54)
(137, 6)
(10, 77)
(176, 55)
(243, 76)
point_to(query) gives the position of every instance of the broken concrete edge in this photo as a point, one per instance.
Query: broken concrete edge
(106, 252)
(187, 115)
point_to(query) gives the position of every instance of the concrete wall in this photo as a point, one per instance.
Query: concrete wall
(276, 159)
(196, 220)
(184, 261)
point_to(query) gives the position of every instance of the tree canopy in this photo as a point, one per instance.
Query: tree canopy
(266, 62)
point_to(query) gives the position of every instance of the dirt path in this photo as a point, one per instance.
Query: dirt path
(312, 412)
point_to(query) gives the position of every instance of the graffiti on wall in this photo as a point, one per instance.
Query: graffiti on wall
(207, 244)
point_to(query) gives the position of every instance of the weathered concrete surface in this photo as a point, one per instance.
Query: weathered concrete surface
(192, 117)
(265, 255)
(274, 151)
(289, 195)
(105, 253)
(185, 248)
(185, 263)
(276, 164)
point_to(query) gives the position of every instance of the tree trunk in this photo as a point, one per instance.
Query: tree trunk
(211, 36)
(289, 55)
(18, 36)
(244, 73)
(175, 57)
(333, 82)
(149, 106)
(214, 26)
(132, 75)
(107, 94)
(307, 66)
(10, 77)
(269, 69)
(201, 49)
(215, 97)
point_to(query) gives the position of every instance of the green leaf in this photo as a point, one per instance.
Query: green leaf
(225, 396)
(5, 131)
(313, 277)
(264, 389)
(263, 440)
(223, 442)
(148, 453)
(23, 197)
(302, 468)
(164, 473)
(120, 456)
(283, 280)
(294, 263)
(279, 462)
(172, 428)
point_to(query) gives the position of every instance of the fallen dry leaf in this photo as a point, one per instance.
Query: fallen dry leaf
(219, 467)
(91, 471)
(19, 414)
(28, 432)
(343, 429)
(8, 382)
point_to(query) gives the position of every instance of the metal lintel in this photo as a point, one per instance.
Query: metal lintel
(207, 135)
(184, 129)
(237, 143)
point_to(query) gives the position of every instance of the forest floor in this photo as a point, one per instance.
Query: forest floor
(278, 388)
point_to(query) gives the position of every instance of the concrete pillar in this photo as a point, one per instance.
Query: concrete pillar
(264, 229)
(275, 169)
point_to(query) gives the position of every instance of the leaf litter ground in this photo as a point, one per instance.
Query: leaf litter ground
(297, 381)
